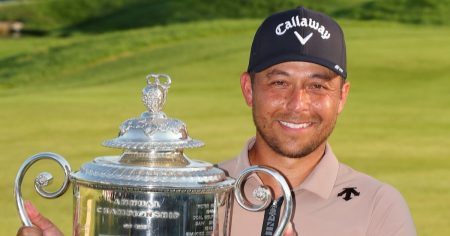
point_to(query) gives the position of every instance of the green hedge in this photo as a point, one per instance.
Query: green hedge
(107, 15)
(407, 11)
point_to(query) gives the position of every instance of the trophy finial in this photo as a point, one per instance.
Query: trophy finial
(153, 130)
(155, 93)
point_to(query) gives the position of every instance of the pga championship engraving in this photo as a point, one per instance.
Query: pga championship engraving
(152, 188)
(134, 203)
(149, 214)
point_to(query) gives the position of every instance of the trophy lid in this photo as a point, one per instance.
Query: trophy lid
(153, 130)
(153, 155)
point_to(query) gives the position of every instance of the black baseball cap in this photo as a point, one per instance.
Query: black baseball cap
(299, 35)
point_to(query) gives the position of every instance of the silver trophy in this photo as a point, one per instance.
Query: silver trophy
(153, 188)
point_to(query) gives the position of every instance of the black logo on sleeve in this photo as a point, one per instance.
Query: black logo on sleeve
(348, 192)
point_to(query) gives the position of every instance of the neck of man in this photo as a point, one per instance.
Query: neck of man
(295, 170)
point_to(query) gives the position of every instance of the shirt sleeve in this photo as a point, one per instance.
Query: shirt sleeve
(390, 215)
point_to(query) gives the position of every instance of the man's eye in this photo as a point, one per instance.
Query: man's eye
(279, 83)
(317, 86)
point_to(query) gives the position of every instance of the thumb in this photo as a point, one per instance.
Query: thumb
(289, 230)
(47, 227)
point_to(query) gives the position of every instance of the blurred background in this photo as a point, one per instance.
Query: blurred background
(71, 71)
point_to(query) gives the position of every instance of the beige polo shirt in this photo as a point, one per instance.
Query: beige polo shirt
(326, 202)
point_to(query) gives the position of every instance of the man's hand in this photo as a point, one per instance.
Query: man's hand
(44, 227)
(289, 230)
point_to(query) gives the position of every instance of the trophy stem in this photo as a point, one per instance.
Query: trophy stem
(42, 180)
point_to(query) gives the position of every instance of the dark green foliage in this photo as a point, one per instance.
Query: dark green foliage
(54, 14)
(96, 16)
(140, 13)
(105, 15)
(406, 11)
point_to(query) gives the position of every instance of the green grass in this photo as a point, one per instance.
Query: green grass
(68, 95)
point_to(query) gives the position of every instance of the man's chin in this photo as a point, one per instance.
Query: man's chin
(293, 153)
(296, 149)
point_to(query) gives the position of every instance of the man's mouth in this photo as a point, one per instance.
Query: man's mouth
(296, 125)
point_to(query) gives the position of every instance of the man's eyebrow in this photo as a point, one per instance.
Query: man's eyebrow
(323, 76)
(277, 72)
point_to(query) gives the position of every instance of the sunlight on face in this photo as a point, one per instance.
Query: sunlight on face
(295, 106)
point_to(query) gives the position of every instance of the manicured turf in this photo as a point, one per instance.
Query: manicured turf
(68, 95)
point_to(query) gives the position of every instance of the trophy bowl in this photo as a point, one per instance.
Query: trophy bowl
(152, 188)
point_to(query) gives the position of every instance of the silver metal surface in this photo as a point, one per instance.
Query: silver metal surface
(109, 171)
(42, 180)
(127, 212)
(264, 194)
(153, 130)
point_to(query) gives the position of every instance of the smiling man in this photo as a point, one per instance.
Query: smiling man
(296, 86)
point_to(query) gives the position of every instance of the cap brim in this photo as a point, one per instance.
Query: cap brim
(292, 57)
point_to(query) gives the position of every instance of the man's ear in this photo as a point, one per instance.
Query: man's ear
(246, 87)
(344, 93)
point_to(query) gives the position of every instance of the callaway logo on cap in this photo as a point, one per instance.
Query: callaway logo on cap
(299, 35)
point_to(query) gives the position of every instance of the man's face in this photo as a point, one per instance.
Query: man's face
(295, 106)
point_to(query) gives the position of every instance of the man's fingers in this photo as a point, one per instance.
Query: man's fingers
(36, 217)
(29, 231)
(289, 230)
(47, 227)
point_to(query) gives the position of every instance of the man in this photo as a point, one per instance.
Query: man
(296, 86)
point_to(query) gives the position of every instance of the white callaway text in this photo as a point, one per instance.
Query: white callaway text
(304, 22)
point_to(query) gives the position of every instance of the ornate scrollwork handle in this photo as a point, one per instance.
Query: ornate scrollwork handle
(42, 180)
(264, 194)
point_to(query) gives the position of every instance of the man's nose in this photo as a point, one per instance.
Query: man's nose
(298, 100)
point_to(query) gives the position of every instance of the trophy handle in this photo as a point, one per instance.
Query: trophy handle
(42, 180)
(264, 194)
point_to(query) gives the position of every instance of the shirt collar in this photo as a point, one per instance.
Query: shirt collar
(320, 181)
(243, 160)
